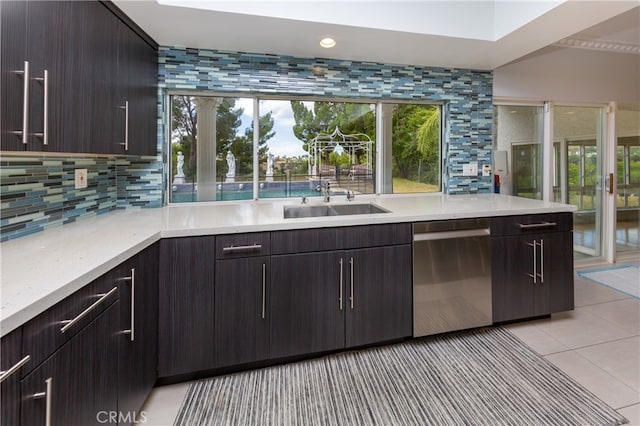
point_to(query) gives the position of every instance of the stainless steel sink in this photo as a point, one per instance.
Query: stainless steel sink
(291, 212)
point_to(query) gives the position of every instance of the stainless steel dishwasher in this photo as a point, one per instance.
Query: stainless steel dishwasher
(451, 275)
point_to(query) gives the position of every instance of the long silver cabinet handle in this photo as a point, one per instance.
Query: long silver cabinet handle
(241, 248)
(25, 104)
(264, 288)
(351, 296)
(7, 373)
(48, 395)
(125, 107)
(71, 322)
(537, 225)
(534, 244)
(45, 126)
(446, 235)
(541, 244)
(132, 278)
(341, 281)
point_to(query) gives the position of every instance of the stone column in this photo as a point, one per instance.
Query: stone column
(206, 108)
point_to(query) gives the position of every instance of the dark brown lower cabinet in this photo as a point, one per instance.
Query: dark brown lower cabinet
(79, 382)
(10, 360)
(242, 312)
(307, 315)
(532, 275)
(138, 336)
(380, 292)
(186, 306)
(331, 300)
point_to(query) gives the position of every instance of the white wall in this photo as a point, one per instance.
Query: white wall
(571, 75)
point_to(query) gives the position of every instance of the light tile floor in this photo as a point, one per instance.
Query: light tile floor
(597, 344)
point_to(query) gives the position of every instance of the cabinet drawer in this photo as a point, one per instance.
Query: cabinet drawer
(340, 238)
(243, 245)
(43, 335)
(533, 223)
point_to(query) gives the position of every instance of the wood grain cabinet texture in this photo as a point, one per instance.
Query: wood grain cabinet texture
(186, 306)
(80, 379)
(137, 279)
(532, 266)
(93, 61)
(10, 356)
(333, 299)
(242, 313)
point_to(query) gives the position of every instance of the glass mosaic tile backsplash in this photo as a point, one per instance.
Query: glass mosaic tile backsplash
(38, 192)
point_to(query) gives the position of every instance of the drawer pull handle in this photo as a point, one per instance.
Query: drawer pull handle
(7, 373)
(251, 247)
(47, 394)
(537, 225)
(70, 323)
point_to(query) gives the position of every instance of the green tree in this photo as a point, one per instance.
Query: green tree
(324, 117)
(416, 142)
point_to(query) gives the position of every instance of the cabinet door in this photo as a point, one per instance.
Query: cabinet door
(99, 79)
(54, 39)
(378, 302)
(558, 273)
(13, 31)
(137, 88)
(138, 337)
(242, 310)
(82, 375)
(186, 306)
(10, 356)
(307, 315)
(515, 294)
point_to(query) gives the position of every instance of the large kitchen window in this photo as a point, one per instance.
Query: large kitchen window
(235, 148)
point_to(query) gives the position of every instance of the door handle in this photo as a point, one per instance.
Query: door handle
(45, 118)
(25, 104)
(125, 107)
(341, 281)
(534, 244)
(132, 278)
(48, 395)
(264, 285)
(352, 283)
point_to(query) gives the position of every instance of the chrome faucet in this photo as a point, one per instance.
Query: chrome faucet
(326, 191)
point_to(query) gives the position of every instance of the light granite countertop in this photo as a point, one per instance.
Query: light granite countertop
(42, 269)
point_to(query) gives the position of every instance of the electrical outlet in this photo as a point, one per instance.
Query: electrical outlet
(470, 169)
(81, 178)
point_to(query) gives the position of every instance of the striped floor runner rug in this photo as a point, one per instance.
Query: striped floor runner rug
(480, 377)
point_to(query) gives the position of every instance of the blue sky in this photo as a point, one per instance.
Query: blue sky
(284, 143)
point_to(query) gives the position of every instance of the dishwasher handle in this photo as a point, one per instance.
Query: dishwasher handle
(448, 235)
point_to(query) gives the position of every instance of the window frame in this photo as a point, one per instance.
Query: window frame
(382, 153)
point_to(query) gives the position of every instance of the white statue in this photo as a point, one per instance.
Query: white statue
(269, 164)
(180, 171)
(231, 162)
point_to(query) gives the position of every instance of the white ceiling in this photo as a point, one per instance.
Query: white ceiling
(482, 34)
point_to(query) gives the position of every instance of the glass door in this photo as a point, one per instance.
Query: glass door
(578, 148)
(627, 180)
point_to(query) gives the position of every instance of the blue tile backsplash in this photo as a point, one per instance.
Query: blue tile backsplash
(37, 190)
(466, 94)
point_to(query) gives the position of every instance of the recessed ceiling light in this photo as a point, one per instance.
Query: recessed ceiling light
(327, 42)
